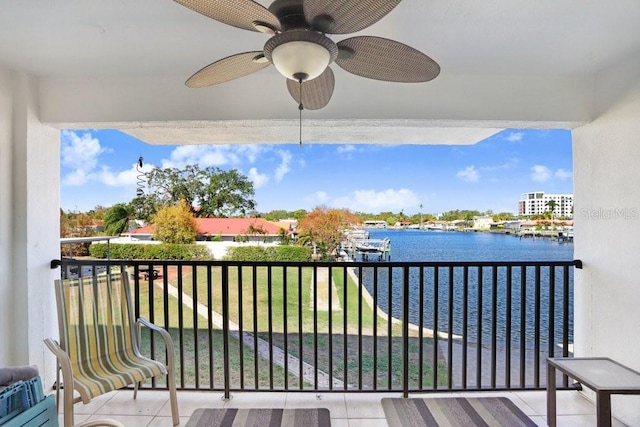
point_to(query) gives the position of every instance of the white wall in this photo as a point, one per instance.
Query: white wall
(29, 225)
(6, 293)
(607, 239)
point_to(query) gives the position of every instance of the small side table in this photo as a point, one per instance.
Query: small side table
(601, 374)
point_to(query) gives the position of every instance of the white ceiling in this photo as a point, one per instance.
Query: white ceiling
(504, 62)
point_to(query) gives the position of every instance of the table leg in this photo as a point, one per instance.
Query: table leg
(551, 395)
(603, 406)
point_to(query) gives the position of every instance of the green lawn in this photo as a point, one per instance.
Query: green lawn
(295, 320)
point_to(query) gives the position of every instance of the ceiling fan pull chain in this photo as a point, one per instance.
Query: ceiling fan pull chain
(300, 108)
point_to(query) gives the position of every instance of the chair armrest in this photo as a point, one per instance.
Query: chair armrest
(63, 361)
(168, 341)
(67, 379)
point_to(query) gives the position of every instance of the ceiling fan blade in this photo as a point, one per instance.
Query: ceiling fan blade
(229, 68)
(346, 16)
(316, 93)
(383, 59)
(245, 14)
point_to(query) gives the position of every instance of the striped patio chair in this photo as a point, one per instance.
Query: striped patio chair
(99, 348)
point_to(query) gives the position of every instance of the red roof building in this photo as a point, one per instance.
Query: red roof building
(226, 229)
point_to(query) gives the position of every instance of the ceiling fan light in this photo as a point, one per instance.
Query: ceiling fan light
(300, 58)
(300, 54)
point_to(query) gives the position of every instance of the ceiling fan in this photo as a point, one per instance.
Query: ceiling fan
(301, 51)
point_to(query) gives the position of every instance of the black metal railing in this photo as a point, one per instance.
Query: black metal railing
(361, 326)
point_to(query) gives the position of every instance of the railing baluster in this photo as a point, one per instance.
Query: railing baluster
(375, 328)
(479, 329)
(194, 299)
(240, 286)
(405, 330)
(270, 324)
(330, 324)
(285, 331)
(523, 326)
(315, 325)
(536, 338)
(508, 332)
(180, 326)
(421, 326)
(436, 313)
(345, 335)
(360, 287)
(301, 332)
(225, 330)
(256, 355)
(465, 309)
(565, 319)
(390, 330)
(552, 311)
(450, 331)
(494, 325)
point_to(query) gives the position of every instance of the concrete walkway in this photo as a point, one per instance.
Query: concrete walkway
(247, 338)
(322, 296)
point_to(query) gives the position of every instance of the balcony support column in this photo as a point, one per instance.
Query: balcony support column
(607, 227)
(29, 225)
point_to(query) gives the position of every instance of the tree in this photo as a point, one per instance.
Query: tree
(551, 204)
(210, 192)
(325, 226)
(175, 224)
(76, 224)
(117, 219)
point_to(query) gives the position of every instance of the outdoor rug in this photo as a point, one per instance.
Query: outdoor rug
(205, 417)
(454, 411)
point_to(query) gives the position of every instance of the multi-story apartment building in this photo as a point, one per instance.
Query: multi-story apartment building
(536, 203)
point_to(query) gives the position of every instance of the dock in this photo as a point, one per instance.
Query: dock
(367, 249)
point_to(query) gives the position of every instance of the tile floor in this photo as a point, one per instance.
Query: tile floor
(152, 408)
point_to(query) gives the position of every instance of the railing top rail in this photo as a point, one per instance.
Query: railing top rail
(386, 264)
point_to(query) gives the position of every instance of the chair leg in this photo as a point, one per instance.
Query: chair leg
(171, 382)
(135, 390)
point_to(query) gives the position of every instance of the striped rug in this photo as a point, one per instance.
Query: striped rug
(454, 411)
(206, 417)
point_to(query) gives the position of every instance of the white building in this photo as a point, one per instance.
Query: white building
(537, 203)
(482, 222)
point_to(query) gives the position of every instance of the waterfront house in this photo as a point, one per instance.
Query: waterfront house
(224, 230)
(122, 65)
(482, 222)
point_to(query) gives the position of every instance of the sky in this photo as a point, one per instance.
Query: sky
(98, 167)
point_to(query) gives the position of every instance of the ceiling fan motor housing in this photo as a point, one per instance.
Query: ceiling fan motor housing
(290, 13)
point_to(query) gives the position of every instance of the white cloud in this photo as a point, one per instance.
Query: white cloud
(123, 178)
(283, 168)
(540, 173)
(318, 198)
(258, 179)
(375, 201)
(349, 148)
(202, 155)
(75, 178)
(469, 174)
(563, 174)
(213, 155)
(514, 136)
(80, 154)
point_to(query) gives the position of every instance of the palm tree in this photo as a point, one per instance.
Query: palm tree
(551, 204)
(117, 218)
